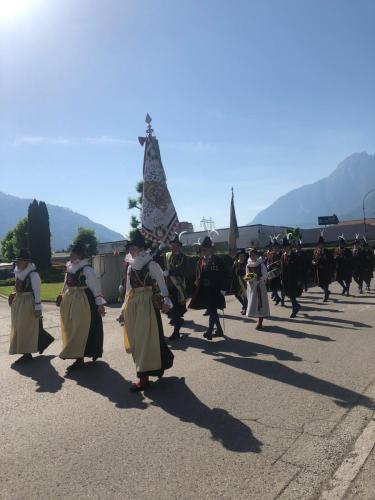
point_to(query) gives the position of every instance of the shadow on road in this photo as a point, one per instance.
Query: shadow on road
(356, 324)
(174, 397)
(235, 346)
(308, 320)
(244, 319)
(42, 372)
(295, 334)
(101, 378)
(281, 373)
(195, 327)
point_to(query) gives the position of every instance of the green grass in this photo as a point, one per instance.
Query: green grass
(49, 290)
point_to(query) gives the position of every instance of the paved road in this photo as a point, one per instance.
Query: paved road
(261, 415)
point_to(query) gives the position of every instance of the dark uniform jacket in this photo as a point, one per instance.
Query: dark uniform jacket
(211, 280)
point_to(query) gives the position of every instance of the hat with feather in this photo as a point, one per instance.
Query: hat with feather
(342, 240)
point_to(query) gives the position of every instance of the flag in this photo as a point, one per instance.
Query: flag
(233, 228)
(159, 217)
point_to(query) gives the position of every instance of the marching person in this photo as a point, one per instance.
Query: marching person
(210, 287)
(323, 266)
(175, 274)
(344, 265)
(239, 286)
(368, 258)
(358, 263)
(81, 310)
(27, 335)
(257, 297)
(273, 263)
(304, 264)
(291, 274)
(140, 314)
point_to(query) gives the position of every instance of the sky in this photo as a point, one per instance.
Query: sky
(261, 95)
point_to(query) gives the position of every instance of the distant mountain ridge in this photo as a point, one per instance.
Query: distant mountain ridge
(340, 193)
(63, 221)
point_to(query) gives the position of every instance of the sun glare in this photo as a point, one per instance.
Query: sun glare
(13, 8)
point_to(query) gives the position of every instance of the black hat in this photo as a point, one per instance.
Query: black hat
(241, 251)
(176, 240)
(23, 255)
(79, 247)
(207, 243)
(138, 240)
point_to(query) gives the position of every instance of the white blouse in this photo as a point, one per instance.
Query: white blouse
(92, 282)
(156, 273)
(263, 269)
(34, 280)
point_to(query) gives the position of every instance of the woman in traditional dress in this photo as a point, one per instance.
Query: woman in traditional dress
(81, 310)
(258, 305)
(140, 314)
(27, 335)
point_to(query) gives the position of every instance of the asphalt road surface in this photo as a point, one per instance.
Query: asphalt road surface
(261, 415)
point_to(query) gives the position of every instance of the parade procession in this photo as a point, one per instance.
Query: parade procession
(159, 280)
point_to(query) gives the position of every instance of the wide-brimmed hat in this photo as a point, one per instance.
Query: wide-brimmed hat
(138, 240)
(23, 254)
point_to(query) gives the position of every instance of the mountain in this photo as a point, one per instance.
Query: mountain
(340, 193)
(63, 222)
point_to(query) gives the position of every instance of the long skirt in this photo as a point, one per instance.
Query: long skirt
(143, 334)
(258, 305)
(27, 334)
(81, 325)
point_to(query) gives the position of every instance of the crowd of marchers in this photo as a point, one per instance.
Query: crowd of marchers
(156, 283)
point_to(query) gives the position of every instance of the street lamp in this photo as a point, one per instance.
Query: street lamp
(364, 212)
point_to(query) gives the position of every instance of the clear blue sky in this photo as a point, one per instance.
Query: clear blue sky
(261, 95)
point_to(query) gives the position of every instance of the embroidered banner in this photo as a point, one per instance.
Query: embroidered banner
(159, 217)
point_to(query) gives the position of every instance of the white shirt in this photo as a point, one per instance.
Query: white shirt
(92, 281)
(156, 273)
(34, 280)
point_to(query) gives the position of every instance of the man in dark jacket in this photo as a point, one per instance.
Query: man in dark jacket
(344, 265)
(210, 287)
(368, 272)
(291, 274)
(175, 274)
(323, 266)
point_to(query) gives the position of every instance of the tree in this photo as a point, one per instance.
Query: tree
(15, 239)
(45, 233)
(8, 248)
(137, 202)
(88, 237)
(21, 234)
(39, 235)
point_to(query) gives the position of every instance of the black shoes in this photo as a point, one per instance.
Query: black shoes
(208, 335)
(218, 333)
(175, 335)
